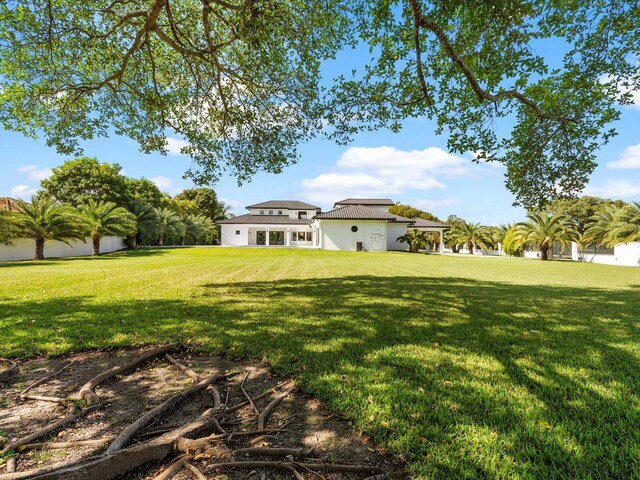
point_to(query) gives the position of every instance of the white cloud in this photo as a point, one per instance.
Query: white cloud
(33, 172)
(619, 81)
(384, 171)
(614, 189)
(428, 205)
(628, 159)
(174, 145)
(431, 160)
(23, 191)
(166, 185)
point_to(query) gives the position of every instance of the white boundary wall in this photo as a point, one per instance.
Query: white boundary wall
(24, 249)
(625, 254)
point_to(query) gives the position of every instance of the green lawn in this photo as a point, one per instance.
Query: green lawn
(466, 367)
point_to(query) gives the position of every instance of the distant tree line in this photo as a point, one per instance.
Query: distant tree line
(84, 198)
(586, 220)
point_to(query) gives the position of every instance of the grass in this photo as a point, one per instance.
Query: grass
(465, 367)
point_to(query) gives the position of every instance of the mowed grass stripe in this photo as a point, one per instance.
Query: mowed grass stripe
(465, 367)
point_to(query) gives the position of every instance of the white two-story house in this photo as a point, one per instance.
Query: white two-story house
(353, 224)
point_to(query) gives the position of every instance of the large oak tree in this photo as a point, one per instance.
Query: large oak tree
(240, 79)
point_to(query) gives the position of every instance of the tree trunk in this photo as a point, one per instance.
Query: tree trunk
(470, 248)
(96, 245)
(161, 240)
(544, 252)
(39, 249)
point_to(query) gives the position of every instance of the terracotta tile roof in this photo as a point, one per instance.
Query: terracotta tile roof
(263, 220)
(360, 212)
(285, 204)
(7, 203)
(421, 222)
(365, 201)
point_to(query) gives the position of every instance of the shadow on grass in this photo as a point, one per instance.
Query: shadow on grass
(87, 258)
(462, 378)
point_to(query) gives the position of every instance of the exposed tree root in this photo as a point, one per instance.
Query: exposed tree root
(262, 418)
(246, 395)
(86, 392)
(181, 444)
(42, 398)
(12, 463)
(129, 432)
(172, 469)
(72, 417)
(274, 452)
(195, 471)
(60, 445)
(47, 378)
(320, 467)
(7, 373)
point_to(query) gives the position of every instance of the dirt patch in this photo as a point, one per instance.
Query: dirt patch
(301, 437)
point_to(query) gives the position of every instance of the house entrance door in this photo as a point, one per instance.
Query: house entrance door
(261, 237)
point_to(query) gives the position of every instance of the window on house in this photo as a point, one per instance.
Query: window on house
(308, 234)
(279, 212)
(302, 215)
(354, 229)
(261, 212)
(270, 212)
(237, 232)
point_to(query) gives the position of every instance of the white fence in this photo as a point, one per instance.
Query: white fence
(24, 249)
(625, 254)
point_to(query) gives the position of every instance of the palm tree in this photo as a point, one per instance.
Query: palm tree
(206, 227)
(190, 227)
(221, 212)
(415, 238)
(511, 244)
(625, 227)
(471, 234)
(7, 227)
(599, 229)
(103, 219)
(168, 223)
(45, 220)
(146, 220)
(545, 229)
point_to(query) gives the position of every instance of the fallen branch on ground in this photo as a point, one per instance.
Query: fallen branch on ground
(186, 370)
(48, 377)
(72, 417)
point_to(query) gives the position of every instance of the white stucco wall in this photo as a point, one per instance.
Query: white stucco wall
(394, 231)
(337, 234)
(624, 254)
(228, 235)
(24, 249)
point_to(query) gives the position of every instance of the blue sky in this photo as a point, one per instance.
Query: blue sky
(412, 167)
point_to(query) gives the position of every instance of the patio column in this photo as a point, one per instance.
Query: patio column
(441, 246)
(267, 235)
(287, 240)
